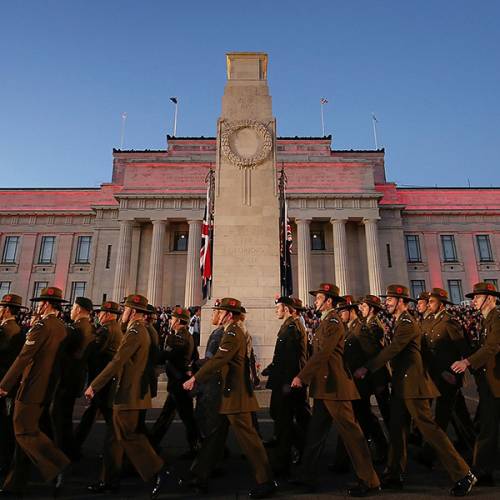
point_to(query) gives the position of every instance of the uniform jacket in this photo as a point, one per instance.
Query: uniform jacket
(288, 358)
(107, 340)
(325, 372)
(128, 366)
(35, 362)
(487, 358)
(410, 379)
(11, 343)
(444, 343)
(232, 360)
(177, 355)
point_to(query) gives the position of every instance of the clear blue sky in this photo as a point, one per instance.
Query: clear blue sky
(430, 70)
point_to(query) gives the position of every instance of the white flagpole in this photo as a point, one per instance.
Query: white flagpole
(322, 118)
(122, 136)
(175, 118)
(374, 122)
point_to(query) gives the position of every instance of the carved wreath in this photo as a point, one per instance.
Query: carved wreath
(246, 161)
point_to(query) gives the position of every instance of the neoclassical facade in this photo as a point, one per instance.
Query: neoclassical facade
(142, 231)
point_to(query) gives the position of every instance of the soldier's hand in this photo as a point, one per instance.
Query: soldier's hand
(360, 373)
(188, 385)
(296, 383)
(460, 366)
(3, 393)
(89, 393)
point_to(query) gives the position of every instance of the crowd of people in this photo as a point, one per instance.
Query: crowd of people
(409, 355)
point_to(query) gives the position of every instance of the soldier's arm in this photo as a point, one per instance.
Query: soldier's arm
(406, 332)
(490, 349)
(227, 349)
(188, 356)
(127, 348)
(456, 333)
(333, 335)
(293, 350)
(35, 339)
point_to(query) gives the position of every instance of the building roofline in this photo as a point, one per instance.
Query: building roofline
(460, 188)
(50, 189)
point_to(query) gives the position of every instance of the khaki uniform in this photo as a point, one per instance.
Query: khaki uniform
(486, 361)
(333, 389)
(238, 402)
(412, 389)
(132, 395)
(34, 367)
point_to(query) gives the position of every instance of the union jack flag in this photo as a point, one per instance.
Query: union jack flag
(206, 241)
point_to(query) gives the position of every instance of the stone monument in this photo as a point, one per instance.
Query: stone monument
(246, 256)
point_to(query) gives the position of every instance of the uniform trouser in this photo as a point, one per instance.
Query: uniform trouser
(35, 445)
(342, 415)
(97, 404)
(251, 445)
(125, 439)
(180, 400)
(489, 419)
(62, 421)
(420, 411)
(7, 439)
(383, 396)
(463, 424)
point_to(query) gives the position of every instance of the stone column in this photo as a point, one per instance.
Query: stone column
(433, 253)
(156, 263)
(192, 294)
(340, 254)
(304, 259)
(120, 288)
(373, 256)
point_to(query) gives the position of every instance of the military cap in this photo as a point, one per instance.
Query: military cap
(12, 300)
(181, 313)
(423, 296)
(346, 302)
(243, 310)
(85, 303)
(110, 306)
(51, 294)
(440, 294)
(287, 301)
(372, 301)
(483, 288)
(399, 292)
(137, 302)
(297, 304)
(229, 304)
(329, 290)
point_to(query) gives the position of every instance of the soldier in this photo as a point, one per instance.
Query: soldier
(486, 361)
(177, 355)
(288, 359)
(238, 402)
(11, 343)
(132, 395)
(443, 343)
(77, 347)
(424, 313)
(108, 339)
(34, 366)
(412, 389)
(333, 390)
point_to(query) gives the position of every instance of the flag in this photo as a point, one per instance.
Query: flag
(174, 100)
(323, 100)
(206, 243)
(285, 242)
(374, 118)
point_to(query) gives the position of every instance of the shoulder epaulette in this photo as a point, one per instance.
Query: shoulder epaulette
(334, 320)
(134, 331)
(230, 332)
(406, 320)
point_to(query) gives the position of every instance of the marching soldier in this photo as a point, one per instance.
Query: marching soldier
(132, 395)
(34, 366)
(11, 343)
(177, 355)
(424, 313)
(412, 388)
(443, 343)
(288, 359)
(238, 403)
(333, 391)
(107, 340)
(81, 335)
(486, 361)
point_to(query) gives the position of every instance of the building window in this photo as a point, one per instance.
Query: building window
(9, 254)
(104, 297)
(108, 257)
(413, 248)
(455, 289)
(4, 288)
(180, 241)
(484, 247)
(46, 250)
(38, 286)
(449, 248)
(417, 287)
(83, 250)
(317, 240)
(77, 290)
(493, 281)
(389, 257)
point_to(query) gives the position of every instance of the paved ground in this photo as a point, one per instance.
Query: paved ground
(236, 481)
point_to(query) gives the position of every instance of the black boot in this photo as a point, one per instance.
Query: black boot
(103, 487)
(362, 490)
(464, 486)
(161, 480)
(264, 490)
(391, 482)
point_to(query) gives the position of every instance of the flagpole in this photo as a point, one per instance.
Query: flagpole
(122, 135)
(175, 100)
(374, 122)
(322, 119)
